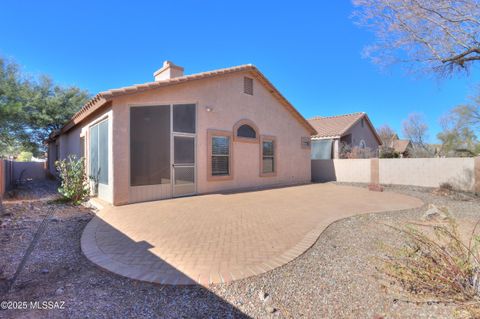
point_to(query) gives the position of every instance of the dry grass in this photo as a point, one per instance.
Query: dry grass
(436, 265)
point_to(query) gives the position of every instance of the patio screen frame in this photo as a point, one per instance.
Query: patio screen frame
(172, 134)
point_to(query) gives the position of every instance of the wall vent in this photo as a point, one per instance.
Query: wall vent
(248, 85)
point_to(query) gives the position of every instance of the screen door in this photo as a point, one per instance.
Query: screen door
(183, 165)
(183, 159)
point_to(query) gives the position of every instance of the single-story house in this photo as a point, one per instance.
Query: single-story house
(337, 135)
(402, 147)
(179, 135)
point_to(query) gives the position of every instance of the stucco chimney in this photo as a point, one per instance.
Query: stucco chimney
(168, 71)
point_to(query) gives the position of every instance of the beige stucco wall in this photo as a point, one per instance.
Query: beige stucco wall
(354, 170)
(51, 158)
(425, 172)
(229, 104)
(105, 192)
(428, 172)
(69, 144)
(341, 170)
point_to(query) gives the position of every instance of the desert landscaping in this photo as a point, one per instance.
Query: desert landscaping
(332, 278)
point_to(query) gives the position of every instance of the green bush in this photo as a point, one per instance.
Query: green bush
(74, 187)
(25, 156)
(388, 152)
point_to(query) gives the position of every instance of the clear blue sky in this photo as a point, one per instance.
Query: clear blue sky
(310, 50)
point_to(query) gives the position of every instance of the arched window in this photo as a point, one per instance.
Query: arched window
(246, 131)
(362, 144)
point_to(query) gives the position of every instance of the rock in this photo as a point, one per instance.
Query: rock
(434, 212)
(262, 295)
(267, 300)
(59, 291)
(54, 219)
(270, 309)
(45, 271)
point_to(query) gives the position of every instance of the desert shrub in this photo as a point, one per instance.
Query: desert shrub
(388, 152)
(437, 266)
(74, 184)
(346, 151)
(446, 186)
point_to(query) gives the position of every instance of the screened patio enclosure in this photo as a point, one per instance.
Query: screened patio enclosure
(162, 151)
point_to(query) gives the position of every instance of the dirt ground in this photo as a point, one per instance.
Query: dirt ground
(336, 278)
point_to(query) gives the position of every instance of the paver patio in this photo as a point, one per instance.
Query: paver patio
(223, 237)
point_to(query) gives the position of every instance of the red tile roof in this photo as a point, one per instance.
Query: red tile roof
(102, 98)
(337, 126)
(400, 146)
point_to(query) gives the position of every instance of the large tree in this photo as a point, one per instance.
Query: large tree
(30, 109)
(460, 129)
(441, 35)
(13, 97)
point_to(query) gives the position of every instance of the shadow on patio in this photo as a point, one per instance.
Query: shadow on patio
(134, 260)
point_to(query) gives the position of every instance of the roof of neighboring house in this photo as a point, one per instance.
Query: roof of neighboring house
(337, 126)
(400, 146)
(102, 98)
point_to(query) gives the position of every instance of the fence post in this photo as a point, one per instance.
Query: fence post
(476, 175)
(375, 175)
(2, 179)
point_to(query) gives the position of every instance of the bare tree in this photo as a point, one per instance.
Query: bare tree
(387, 135)
(415, 129)
(442, 35)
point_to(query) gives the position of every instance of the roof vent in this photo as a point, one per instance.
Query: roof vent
(168, 71)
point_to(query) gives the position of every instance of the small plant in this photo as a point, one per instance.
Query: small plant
(94, 179)
(446, 187)
(74, 184)
(437, 266)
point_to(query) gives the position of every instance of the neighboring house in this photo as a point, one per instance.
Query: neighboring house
(343, 131)
(180, 135)
(402, 147)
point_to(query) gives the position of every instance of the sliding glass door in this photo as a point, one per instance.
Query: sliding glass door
(99, 152)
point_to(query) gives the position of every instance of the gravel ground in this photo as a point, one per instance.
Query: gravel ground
(336, 278)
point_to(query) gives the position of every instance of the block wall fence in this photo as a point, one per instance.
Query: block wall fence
(461, 173)
(11, 171)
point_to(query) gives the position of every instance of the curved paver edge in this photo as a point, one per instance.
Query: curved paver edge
(91, 250)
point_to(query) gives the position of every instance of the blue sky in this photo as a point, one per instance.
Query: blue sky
(310, 50)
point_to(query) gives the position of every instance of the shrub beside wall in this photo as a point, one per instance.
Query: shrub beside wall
(74, 182)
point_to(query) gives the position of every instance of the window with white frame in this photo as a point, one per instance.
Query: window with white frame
(220, 155)
(220, 152)
(268, 157)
